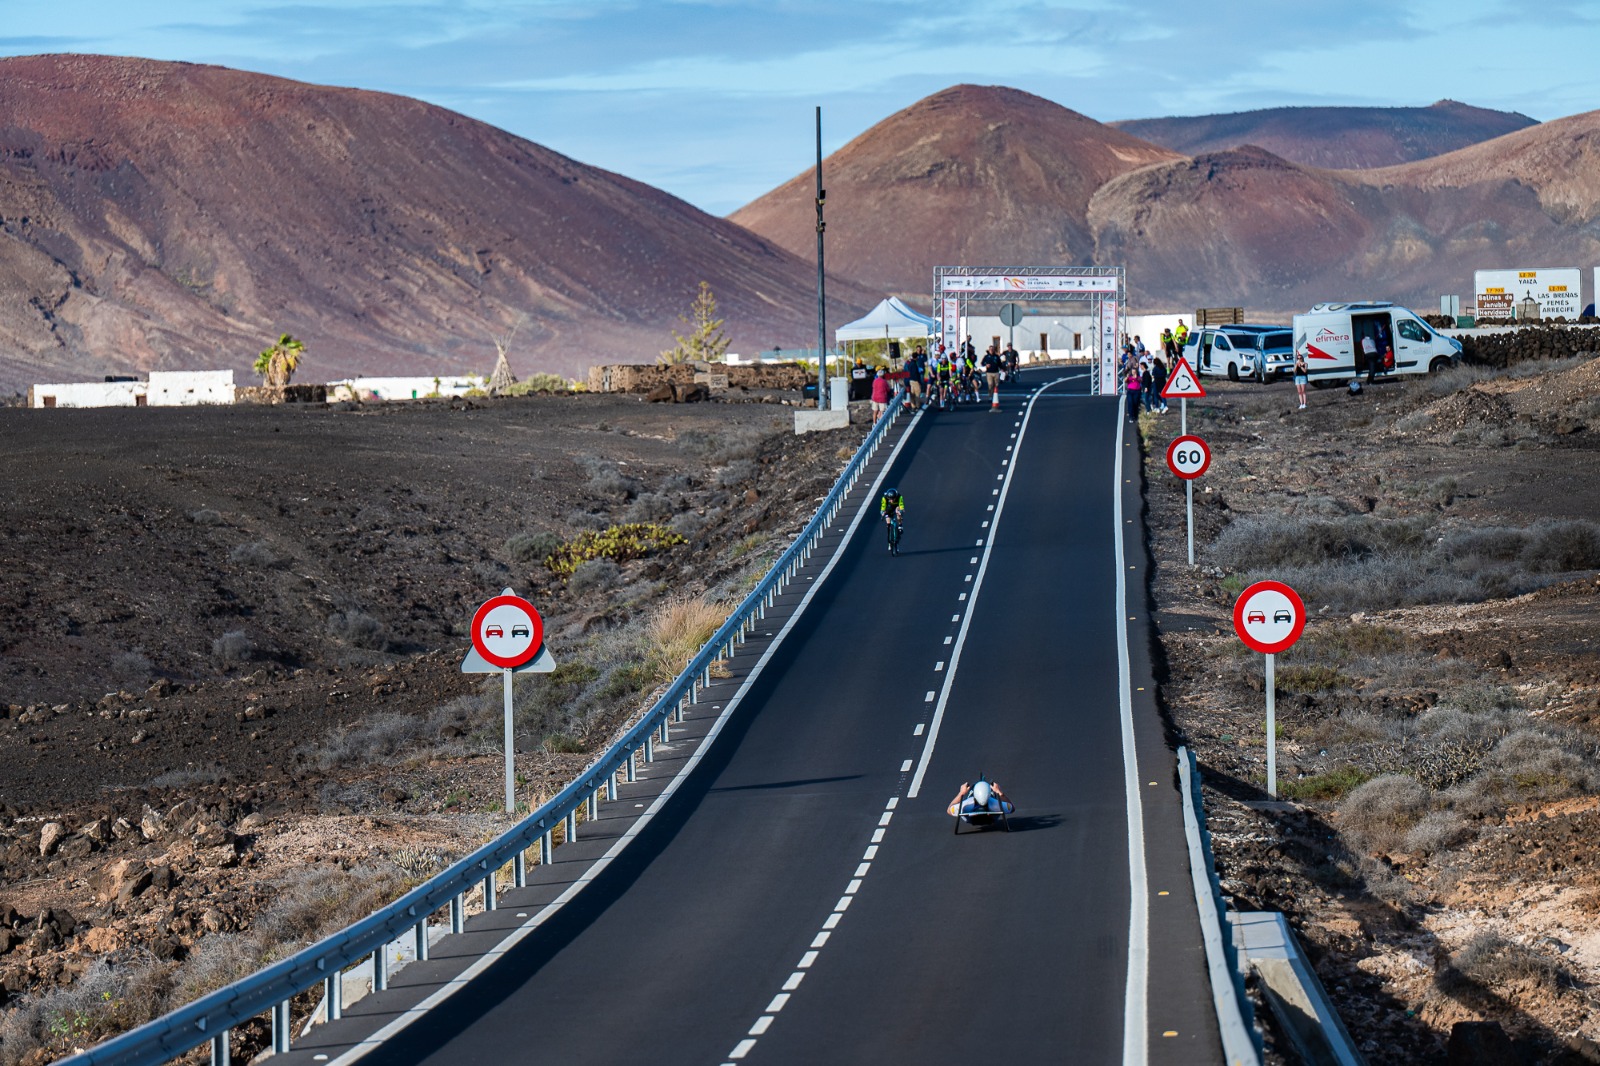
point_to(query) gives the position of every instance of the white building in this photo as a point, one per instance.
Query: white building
(166, 388)
(405, 388)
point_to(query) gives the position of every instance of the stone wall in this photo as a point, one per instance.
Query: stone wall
(643, 378)
(272, 394)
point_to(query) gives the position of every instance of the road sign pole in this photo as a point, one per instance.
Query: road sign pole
(511, 753)
(1272, 728)
(1189, 489)
(1183, 431)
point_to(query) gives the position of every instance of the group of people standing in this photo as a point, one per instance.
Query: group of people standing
(1144, 374)
(943, 379)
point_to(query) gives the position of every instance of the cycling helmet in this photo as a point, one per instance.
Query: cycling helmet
(891, 492)
(981, 793)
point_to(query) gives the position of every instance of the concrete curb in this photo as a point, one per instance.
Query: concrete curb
(1241, 1042)
(1292, 990)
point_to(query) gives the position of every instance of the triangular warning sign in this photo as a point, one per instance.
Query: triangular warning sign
(1182, 384)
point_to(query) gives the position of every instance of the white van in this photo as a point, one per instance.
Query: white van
(1342, 342)
(1240, 351)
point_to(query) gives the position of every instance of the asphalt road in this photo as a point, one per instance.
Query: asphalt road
(802, 897)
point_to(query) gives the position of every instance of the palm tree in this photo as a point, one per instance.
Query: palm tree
(277, 364)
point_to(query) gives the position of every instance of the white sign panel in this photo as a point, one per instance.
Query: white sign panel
(1026, 283)
(1558, 292)
(950, 323)
(1108, 347)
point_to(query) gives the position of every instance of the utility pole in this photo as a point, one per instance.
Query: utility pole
(822, 307)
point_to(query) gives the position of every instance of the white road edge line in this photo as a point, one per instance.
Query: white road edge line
(360, 1050)
(972, 608)
(1135, 1009)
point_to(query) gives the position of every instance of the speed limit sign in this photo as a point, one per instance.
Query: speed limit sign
(1188, 457)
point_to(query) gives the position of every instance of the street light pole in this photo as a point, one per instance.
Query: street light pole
(822, 308)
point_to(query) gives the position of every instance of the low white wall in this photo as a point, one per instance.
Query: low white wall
(405, 388)
(189, 388)
(90, 394)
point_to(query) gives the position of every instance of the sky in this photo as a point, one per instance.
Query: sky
(713, 100)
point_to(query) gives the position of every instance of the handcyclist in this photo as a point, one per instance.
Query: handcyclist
(980, 802)
(893, 507)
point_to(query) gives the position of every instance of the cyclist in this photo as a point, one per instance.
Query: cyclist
(892, 506)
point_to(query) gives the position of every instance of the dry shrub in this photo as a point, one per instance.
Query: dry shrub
(532, 547)
(737, 473)
(678, 629)
(112, 996)
(605, 479)
(205, 516)
(234, 646)
(359, 629)
(1378, 814)
(1438, 831)
(595, 575)
(1275, 541)
(255, 554)
(1496, 965)
(649, 507)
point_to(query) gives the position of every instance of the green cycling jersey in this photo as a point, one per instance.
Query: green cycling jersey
(891, 500)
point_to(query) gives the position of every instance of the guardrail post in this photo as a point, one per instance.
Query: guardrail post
(572, 825)
(519, 869)
(458, 913)
(422, 940)
(221, 1054)
(280, 1028)
(380, 968)
(664, 736)
(333, 992)
(592, 805)
(611, 784)
(547, 847)
(683, 705)
(490, 900)
(649, 748)
(633, 771)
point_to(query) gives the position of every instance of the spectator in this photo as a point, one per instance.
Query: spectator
(1180, 336)
(1158, 376)
(1134, 387)
(1147, 381)
(1302, 374)
(880, 394)
(1166, 342)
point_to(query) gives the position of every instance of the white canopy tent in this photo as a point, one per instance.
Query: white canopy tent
(890, 320)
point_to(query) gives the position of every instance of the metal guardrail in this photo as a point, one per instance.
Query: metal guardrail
(211, 1017)
(1241, 1044)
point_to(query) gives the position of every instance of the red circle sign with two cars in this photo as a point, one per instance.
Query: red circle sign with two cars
(507, 631)
(1269, 617)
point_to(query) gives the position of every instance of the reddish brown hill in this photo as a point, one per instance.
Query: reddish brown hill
(1560, 160)
(1246, 227)
(969, 175)
(1334, 137)
(168, 215)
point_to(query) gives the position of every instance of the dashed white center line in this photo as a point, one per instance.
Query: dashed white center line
(794, 981)
(928, 698)
(974, 558)
(779, 1001)
(807, 959)
(991, 507)
(871, 853)
(917, 732)
(852, 888)
(949, 639)
(967, 578)
(894, 801)
(962, 597)
(954, 618)
(763, 1023)
(985, 525)
(883, 819)
(938, 666)
(905, 767)
(742, 1049)
(833, 920)
(820, 940)
(877, 838)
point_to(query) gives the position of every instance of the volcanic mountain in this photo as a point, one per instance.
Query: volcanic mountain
(1247, 227)
(972, 174)
(165, 215)
(1334, 137)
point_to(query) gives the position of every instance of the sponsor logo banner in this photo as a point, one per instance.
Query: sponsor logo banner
(950, 323)
(1108, 347)
(1026, 283)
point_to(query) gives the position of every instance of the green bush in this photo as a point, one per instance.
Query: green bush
(619, 543)
(1329, 786)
